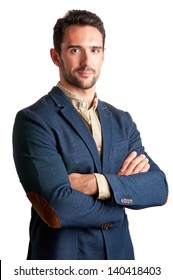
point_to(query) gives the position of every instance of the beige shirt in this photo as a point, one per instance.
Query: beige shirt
(91, 119)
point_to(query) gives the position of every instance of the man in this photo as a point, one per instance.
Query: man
(80, 160)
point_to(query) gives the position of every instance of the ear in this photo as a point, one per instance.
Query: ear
(55, 57)
(103, 54)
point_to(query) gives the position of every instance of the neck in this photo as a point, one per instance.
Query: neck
(87, 94)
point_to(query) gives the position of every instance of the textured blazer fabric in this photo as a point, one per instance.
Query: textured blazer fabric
(50, 141)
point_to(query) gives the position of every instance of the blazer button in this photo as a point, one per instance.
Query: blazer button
(106, 226)
(126, 201)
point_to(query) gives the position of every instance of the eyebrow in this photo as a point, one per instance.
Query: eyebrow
(80, 47)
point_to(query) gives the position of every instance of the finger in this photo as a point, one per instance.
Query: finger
(138, 164)
(127, 161)
(146, 168)
(143, 166)
(132, 164)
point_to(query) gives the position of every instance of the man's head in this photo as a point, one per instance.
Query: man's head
(78, 51)
(76, 17)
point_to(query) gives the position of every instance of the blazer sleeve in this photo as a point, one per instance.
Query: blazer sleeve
(44, 178)
(146, 189)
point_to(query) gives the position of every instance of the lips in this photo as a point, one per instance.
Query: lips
(85, 71)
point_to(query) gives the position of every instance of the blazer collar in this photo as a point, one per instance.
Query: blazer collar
(105, 117)
(74, 118)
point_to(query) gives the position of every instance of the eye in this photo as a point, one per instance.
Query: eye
(74, 50)
(96, 50)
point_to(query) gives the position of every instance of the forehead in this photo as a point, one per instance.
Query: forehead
(82, 35)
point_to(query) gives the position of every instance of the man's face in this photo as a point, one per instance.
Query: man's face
(81, 56)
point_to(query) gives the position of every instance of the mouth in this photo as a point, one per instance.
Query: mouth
(85, 72)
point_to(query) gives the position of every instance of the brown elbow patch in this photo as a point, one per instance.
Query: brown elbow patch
(44, 209)
(166, 200)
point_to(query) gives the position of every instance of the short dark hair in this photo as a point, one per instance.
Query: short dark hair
(76, 17)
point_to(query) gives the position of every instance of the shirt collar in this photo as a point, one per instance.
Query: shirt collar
(76, 100)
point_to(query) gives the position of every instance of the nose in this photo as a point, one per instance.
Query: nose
(85, 58)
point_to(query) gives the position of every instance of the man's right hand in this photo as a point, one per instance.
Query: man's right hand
(134, 164)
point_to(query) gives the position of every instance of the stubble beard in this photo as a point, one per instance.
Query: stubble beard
(82, 83)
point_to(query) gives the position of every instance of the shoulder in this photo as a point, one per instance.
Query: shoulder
(46, 106)
(116, 113)
(52, 99)
(43, 114)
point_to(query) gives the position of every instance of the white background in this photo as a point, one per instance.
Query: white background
(137, 76)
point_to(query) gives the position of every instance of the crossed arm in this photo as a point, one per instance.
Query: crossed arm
(87, 183)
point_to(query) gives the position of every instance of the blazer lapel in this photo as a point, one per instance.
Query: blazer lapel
(74, 118)
(106, 124)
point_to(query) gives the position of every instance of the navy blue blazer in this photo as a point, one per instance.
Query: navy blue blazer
(50, 141)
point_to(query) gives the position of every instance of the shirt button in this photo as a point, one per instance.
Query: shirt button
(84, 104)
